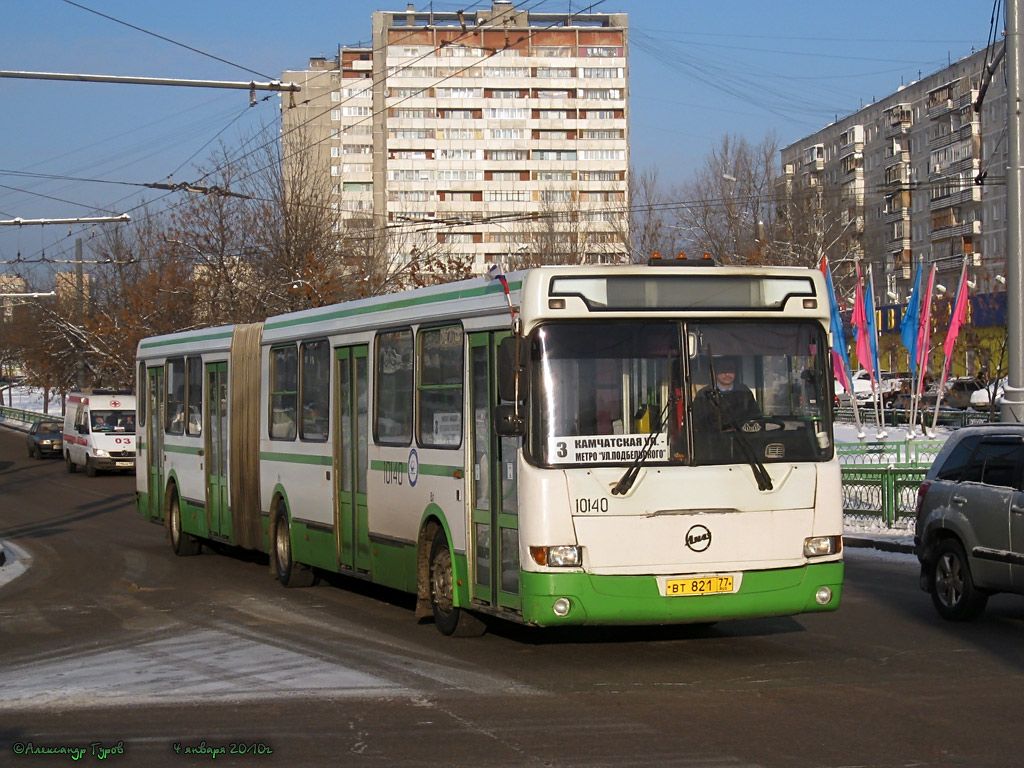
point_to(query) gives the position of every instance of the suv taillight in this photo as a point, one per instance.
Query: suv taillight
(922, 491)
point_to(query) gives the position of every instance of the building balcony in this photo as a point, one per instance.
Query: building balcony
(970, 194)
(897, 214)
(963, 229)
(965, 131)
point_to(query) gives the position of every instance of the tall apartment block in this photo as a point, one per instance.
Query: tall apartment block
(488, 134)
(905, 171)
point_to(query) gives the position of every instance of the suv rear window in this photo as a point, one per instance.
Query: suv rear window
(958, 459)
(995, 462)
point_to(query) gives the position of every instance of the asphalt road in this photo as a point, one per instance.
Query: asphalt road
(108, 639)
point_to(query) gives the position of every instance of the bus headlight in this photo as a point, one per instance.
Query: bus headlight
(100, 452)
(819, 546)
(562, 556)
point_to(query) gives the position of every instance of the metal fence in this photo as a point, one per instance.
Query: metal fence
(880, 480)
(16, 417)
(896, 416)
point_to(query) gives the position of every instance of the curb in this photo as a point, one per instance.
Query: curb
(883, 545)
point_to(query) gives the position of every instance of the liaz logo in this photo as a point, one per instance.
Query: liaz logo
(698, 538)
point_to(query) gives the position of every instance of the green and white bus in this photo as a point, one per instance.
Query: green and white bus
(551, 454)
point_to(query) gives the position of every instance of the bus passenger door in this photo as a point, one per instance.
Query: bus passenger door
(155, 444)
(494, 538)
(216, 430)
(350, 436)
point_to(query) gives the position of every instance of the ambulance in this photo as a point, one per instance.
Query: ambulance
(99, 431)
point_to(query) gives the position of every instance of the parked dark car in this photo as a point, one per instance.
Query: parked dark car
(959, 391)
(45, 439)
(970, 520)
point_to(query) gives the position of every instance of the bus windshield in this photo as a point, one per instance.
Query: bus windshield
(610, 393)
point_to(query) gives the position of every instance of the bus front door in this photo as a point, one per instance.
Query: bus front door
(216, 431)
(494, 538)
(350, 436)
(155, 444)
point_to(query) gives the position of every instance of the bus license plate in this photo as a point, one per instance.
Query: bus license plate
(699, 585)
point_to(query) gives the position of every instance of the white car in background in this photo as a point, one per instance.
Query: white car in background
(981, 399)
(888, 387)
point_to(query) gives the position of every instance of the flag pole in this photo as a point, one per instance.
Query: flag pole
(954, 328)
(922, 352)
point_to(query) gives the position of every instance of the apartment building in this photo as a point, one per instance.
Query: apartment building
(902, 176)
(495, 135)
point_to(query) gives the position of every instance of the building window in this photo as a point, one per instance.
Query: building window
(507, 113)
(600, 94)
(556, 72)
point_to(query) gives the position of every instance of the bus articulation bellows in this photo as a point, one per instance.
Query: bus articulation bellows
(556, 457)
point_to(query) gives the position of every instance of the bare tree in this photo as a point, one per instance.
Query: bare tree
(728, 209)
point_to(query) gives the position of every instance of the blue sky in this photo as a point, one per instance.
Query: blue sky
(698, 70)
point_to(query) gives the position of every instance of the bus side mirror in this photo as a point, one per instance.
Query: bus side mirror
(508, 420)
(511, 366)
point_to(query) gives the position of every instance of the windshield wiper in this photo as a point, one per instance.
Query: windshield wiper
(764, 480)
(631, 473)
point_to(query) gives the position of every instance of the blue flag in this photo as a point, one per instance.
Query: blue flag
(840, 357)
(910, 325)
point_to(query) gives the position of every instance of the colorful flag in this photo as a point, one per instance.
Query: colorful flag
(924, 330)
(956, 318)
(840, 360)
(860, 324)
(869, 309)
(909, 326)
(495, 272)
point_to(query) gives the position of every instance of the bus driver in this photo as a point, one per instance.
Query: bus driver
(725, 405)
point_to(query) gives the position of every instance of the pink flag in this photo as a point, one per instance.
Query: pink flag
(924, 331)
(956, 319)
(860, 322)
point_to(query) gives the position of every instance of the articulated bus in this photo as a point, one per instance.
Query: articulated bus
(547, 449)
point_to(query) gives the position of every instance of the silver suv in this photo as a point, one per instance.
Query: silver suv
(970, 520)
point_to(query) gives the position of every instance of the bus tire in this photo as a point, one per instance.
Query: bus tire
(289, 573)
(449, 619)
(183, 544)
(90, 468)
(72, 467)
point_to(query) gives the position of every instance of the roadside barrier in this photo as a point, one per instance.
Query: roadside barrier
(880, 480)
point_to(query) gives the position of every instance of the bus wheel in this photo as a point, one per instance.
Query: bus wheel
(90, 468)
(183, 544)
(289, 573)
(451, 621)
(72, 467)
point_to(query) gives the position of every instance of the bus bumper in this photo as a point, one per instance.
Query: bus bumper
(635, 600)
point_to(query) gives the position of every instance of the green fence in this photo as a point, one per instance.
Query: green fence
(880, 480)
(26, 418)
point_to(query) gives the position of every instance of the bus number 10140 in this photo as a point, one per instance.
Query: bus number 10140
(584, 506)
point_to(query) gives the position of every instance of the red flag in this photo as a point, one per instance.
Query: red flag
(956, 319)
(860, 322)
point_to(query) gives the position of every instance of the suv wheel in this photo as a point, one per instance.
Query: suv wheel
(952, 586)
